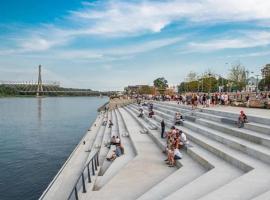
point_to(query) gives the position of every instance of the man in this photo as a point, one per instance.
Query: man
(110, 124)
(162, 128)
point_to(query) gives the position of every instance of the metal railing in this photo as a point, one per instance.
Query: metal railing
(85, 177)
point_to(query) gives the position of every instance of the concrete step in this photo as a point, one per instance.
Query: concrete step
(120, 162)
(248, 135)
(260, 174)
(114, 132)
(248, 186)
(264, 196)
(139, 175)
(106, 138)
(252, 117)
(188, 171)
(223, 173)
(253, 126)
(256, 150)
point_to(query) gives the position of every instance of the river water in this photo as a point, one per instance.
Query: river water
(36, 137)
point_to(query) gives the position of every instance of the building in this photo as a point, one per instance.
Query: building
(252, 84)
(133, 89)
(266, 71)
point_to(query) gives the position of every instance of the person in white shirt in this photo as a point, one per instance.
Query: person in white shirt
(183, 139)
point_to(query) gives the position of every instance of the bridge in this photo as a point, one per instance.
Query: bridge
(51, 88)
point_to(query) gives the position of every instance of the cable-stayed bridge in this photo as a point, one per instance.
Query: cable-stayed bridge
(51, 88)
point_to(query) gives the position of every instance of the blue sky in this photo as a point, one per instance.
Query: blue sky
(107, 45)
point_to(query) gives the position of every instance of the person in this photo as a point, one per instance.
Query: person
(183, 139)
(242, 119)
(117, 140)
(178, 118)
(113, 141)
(204, 100)
(141, 113)
(162, 124)
(247, 100)
(110, 124)
(116, 153)
(151, 113)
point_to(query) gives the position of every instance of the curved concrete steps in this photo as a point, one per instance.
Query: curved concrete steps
(121, 161)
(114, 132)
(188, 171)
(227, 136)
(260, 172)
(141, 173)
(107, 137)
(222, 173)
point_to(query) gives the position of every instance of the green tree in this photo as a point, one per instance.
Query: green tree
(182, 87)
(264, 84)
(161, 83)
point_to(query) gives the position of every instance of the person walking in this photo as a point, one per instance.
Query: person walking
(162, 128)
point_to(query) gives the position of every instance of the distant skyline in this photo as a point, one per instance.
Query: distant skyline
(106, 45)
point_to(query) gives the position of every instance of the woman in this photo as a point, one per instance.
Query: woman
(242, 119)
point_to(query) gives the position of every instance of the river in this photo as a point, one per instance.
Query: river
(36, 137)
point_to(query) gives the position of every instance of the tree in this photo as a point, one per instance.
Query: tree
(182, 87)
(264, 84)
(161, 83)
(191, 76)
(238, 75)
(145, 89)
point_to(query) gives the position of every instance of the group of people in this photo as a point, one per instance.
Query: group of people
(204, 99)
(150, 109)
(176, 140)
(117, 148)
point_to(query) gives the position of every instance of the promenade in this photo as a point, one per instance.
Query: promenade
(220, 162)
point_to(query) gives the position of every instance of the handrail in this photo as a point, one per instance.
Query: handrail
(92, 165)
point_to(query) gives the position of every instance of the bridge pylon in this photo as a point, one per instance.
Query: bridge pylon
(39, 85)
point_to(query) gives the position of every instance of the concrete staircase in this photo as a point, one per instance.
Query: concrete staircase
(222, 162)
(246, 153)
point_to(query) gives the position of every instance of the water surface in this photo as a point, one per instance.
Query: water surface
(36, 137)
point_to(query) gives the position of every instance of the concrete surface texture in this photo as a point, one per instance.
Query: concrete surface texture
(221, 161)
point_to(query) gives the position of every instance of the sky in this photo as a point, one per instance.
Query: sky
(106, 45)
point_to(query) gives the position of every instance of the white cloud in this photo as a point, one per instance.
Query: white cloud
(245, 40)
(125, 18)
(122, 18)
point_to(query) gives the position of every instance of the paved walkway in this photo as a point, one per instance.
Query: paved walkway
(265, 113)
(143, 172)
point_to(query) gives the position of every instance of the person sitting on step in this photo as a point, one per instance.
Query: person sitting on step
(183, 139)
(116, 153)
(141, 113)
(151, 113)
(242, 119)
(178, 119)
(117, 140)
(113, 141)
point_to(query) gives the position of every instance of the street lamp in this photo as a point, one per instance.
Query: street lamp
(257, 83)
(210, 88)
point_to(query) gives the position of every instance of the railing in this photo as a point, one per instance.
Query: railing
(85, 177)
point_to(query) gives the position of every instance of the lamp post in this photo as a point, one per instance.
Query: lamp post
(210, 88)
(257, 83)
